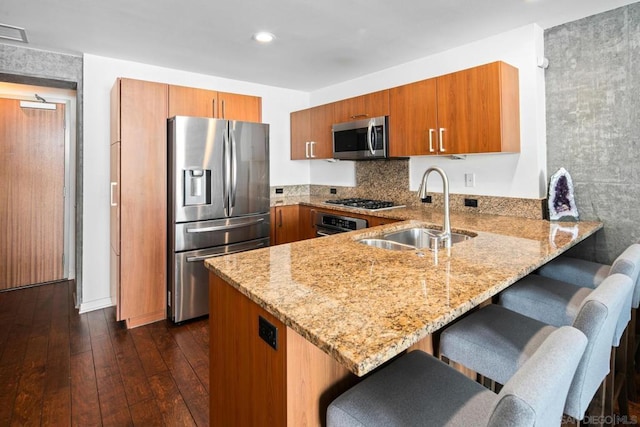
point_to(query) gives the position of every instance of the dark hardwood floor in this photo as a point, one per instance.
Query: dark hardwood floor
(58, 367)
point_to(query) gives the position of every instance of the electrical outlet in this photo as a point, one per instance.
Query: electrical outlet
(279, 190)
(333, 191)
(469, 179)
(268, 332)
(426, 199)
(472, 203)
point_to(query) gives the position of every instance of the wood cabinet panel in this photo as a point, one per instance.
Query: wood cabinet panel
(114, 114)
(233, 106)
(306, 222)
(476, 111)
(321, 134)
(311, 134)
(189, 101)
(300, 123)
(114, 209)
(413, 119)
(362, 107)
(248, 378)
(285, 224)
(143, 201)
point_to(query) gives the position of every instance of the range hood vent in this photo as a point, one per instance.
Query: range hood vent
(16, 34)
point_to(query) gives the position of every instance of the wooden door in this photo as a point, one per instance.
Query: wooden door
(300, 129)
(232, 106)
(362, 107)
(189, 101)
(143, 201)
(321, 120)
(31, 194)
(479, 111)
(413, 119)
(286, 224)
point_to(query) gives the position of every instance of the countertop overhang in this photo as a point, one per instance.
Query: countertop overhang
(364, 305)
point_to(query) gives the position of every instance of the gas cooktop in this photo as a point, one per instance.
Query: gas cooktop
(369, 204)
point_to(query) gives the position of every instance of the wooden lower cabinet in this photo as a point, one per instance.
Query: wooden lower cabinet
(306, 222)
(284, 224)
(253, 384)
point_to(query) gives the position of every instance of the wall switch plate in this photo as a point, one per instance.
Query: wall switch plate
(279, 190)
(469, 179)
(268, 332)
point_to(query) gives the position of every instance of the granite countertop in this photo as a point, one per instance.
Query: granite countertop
(364, 305)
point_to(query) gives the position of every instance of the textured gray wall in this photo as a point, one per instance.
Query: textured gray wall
(51, 69)
(593, 122)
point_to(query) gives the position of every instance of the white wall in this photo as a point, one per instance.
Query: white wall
(515, 175)
(100, 74)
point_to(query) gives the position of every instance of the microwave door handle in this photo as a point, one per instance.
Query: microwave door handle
(369, 138)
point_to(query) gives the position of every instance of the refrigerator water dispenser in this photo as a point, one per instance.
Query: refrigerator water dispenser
(197, 184)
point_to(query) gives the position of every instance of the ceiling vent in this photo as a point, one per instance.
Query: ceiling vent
(16, 34)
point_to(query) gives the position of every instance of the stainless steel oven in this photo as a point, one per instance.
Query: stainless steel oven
(328, 224)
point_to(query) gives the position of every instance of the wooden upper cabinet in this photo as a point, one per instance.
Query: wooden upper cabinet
(311, 135)
(470, 111)
(190, 101)
(233, 106)
(479, 110)
(300, 134)
(362, 107)
(413, 119)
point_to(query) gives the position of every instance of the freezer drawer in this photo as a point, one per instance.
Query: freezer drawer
(189, 291)
(206, 234)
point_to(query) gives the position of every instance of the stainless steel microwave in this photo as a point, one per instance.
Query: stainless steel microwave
(361, 140)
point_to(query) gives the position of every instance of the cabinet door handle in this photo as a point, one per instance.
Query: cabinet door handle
(280, 218)
(431, 133)
(311, 144)
(223, 109)
(441, 140)
(213, 107)
(113, 184)
(306, 149)
(359, 115)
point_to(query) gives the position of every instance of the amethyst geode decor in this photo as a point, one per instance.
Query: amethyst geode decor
(561, 201)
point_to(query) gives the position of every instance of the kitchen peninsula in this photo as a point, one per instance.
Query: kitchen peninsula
(341, 309)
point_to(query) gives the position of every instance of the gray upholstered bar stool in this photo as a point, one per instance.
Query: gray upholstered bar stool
(590, 274)
(495, 341)
(419, 390)
(556, 302)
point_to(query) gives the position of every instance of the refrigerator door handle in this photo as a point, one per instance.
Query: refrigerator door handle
(226, 171)
(224, 227)
(203, 257)
(234, 171)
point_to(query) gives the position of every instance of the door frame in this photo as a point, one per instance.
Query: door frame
(69, 98)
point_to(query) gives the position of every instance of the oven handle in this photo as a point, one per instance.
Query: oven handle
(203, 257)
(320, 233)
(224, 227)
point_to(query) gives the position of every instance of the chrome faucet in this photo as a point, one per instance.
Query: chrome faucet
(445, 235)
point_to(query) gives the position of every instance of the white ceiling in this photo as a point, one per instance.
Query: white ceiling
(319, 42)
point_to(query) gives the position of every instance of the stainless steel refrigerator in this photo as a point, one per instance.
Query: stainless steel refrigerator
(218, 202)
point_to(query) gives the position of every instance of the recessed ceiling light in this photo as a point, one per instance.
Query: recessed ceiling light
(263, 37)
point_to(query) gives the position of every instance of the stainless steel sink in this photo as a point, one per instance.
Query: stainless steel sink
(386, 244)
(413, 238)
(423, 238)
